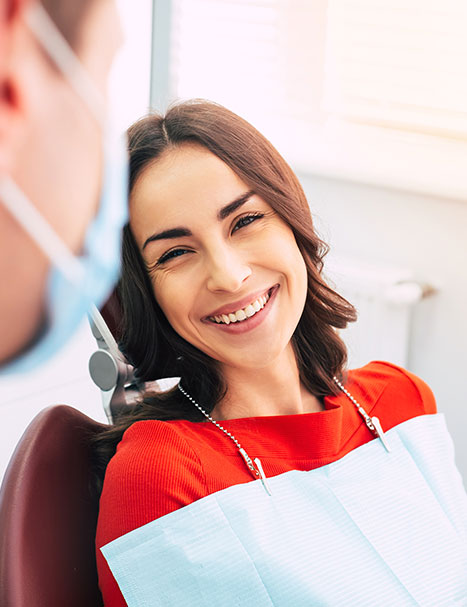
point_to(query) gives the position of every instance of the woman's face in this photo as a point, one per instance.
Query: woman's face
(225, 268)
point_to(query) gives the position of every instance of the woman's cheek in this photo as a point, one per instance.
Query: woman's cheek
(163, 285)
(173, 297)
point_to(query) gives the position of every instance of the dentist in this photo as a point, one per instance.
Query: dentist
(63, 173)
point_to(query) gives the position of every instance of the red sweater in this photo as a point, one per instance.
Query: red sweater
(162, 466)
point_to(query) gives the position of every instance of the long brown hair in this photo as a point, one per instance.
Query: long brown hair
(149, 342)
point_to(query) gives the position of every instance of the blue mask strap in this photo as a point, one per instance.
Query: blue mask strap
(58, 49)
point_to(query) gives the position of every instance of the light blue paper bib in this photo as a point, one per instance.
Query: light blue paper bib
(372, 529)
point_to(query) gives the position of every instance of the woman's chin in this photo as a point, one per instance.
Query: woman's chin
(257, 358)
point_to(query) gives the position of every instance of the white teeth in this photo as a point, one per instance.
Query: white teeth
(244, 313)
(240, 315)
(249, 311)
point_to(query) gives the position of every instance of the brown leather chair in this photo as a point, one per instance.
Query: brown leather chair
(48, 515)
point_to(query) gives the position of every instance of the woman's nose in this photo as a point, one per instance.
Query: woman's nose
(227, 270)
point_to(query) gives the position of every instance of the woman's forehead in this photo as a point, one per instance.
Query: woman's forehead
(187, 180)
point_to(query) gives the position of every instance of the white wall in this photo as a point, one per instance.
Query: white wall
(428, 235)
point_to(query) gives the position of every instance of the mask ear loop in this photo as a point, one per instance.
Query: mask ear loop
(60, 52)
(45, 237)
(51, 244)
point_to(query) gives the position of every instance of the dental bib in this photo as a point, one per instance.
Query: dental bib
(374, 528)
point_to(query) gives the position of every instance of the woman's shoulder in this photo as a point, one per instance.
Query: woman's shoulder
(151, 443)
(153, 472)
(394, 387)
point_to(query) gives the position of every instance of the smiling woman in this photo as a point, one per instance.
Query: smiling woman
(221, 249)
(222, 287)
(218, 216)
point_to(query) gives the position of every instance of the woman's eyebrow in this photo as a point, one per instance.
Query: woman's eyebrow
(234, 205)
(224, 212)
(173, 233)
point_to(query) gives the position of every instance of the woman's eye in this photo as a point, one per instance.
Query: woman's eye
(171, 255)
(246, 220)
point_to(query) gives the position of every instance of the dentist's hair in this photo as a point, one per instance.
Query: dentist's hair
(147, 339)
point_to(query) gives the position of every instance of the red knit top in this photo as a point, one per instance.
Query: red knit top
(162, 466)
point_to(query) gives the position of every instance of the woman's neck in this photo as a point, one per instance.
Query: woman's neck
(272, 390)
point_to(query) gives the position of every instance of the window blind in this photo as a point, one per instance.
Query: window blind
(252, 56)
(367, 90)
(398, 63)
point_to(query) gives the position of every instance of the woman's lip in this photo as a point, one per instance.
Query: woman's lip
(238, 305)
(244, 326)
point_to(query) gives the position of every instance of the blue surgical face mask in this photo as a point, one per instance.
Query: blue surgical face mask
(75, 284)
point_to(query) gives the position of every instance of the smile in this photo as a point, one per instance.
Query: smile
(242, 314)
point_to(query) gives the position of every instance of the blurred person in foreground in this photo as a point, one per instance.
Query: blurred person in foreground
(63, 172)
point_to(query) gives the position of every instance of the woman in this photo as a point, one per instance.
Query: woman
(222, 287)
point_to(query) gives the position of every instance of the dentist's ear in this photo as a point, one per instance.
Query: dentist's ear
(10, 124)
(10, 8)
(11, 22)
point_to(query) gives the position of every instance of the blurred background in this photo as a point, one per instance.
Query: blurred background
(367, 100)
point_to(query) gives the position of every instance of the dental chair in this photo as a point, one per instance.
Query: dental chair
(48, 515)
(108, 368)
(48, 512)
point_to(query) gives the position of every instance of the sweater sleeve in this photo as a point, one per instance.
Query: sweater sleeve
(425, 394)
(406, 390)
(154, 472)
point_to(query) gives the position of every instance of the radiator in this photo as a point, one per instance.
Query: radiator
(386, 299)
